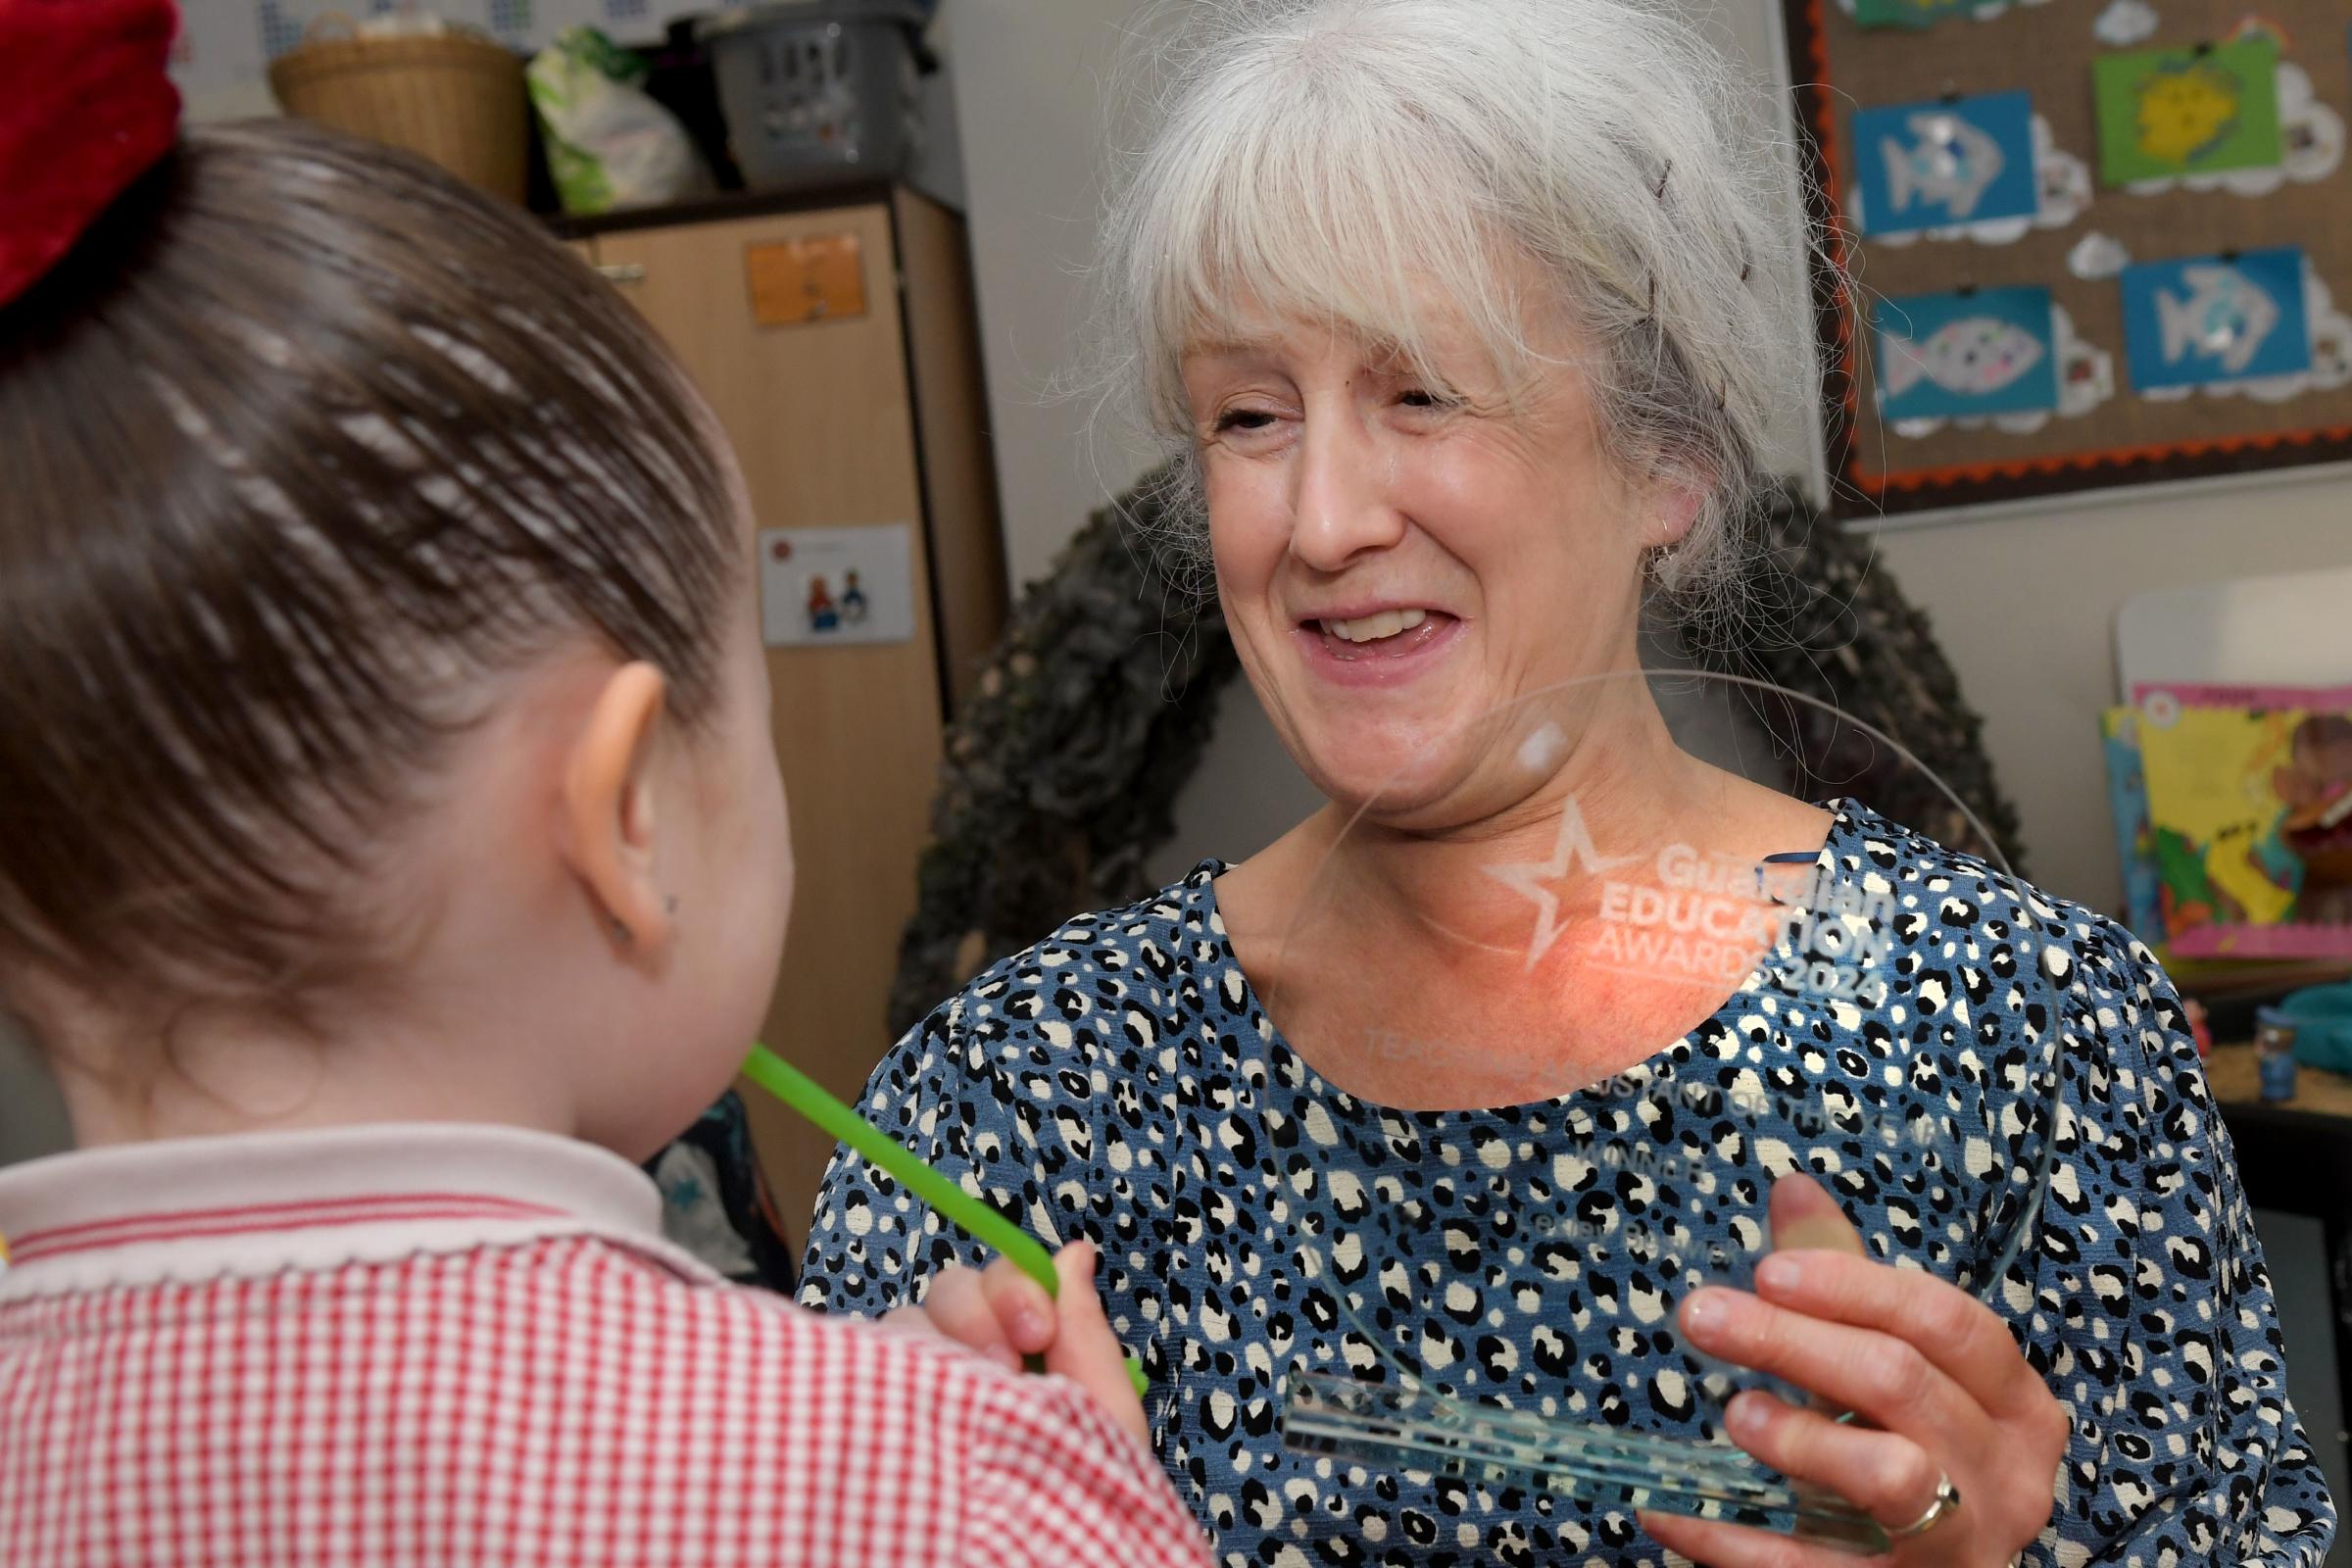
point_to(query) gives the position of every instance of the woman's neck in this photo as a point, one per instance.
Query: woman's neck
(1470, 966)
(1633, 791)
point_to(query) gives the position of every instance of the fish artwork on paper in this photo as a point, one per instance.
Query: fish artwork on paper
(1972, 354)
(2077, 376)
(2224, 317)
(1947, 162)
(1939, 165)
(2242, 319)
(1969, 358)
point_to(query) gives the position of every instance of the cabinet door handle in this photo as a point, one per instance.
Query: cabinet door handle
(622, 271)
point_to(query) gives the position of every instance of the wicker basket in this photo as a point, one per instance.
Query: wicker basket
(457, 98)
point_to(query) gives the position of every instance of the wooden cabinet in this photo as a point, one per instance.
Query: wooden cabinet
(837, 348)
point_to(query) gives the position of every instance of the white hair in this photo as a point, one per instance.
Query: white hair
(1322, 160)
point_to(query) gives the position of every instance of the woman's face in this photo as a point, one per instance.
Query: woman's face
(1397, 553)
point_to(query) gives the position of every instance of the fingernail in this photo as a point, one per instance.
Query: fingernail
(1704, 1313)
(1031, 1326)
(1779, 1272)
(1744, 1415)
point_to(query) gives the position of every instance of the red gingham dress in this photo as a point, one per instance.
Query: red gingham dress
(452, 1345)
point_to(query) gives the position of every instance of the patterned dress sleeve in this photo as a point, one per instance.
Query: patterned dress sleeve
(945, 1094)
(2152, 1316)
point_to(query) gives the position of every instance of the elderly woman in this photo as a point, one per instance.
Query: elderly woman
(1461, 317)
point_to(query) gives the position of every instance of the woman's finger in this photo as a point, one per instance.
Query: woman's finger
(1023, 1308)
(1804, 1214)
(1886, 1474)
(1085, 1349)
(1883, 1376)
(957, 1308)
(1953, 1328)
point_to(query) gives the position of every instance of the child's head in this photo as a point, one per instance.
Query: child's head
(381, 698)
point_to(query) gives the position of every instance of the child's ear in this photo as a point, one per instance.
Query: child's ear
(610, 806)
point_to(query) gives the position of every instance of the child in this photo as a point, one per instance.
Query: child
(391, 853)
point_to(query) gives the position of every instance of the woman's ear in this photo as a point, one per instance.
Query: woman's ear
(610, 808)
(1675, 507)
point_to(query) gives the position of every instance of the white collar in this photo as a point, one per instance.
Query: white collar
(257, 1204)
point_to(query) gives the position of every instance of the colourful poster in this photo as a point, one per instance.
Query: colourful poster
(2250, 817)
(2135, 835)
(1967, 355)
(2166, 113)
(1935, 164)
(2209, 319)
(1908, 13)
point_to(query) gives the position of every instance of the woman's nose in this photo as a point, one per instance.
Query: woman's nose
(1341, 507)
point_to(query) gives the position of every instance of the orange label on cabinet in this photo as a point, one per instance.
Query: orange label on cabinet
(797, 281)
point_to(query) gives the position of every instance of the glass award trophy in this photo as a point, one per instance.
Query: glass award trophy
(1733, 936)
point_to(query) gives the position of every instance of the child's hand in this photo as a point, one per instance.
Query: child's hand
(1005, 1315)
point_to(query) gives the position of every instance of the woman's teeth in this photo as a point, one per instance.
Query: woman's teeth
(1372, 628)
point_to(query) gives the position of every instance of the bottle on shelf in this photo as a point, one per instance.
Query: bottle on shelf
(2274, 1054)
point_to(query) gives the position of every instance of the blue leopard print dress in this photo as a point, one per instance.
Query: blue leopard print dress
(1120, 1081)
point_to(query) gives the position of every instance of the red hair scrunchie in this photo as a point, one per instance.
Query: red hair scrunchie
(86, 106)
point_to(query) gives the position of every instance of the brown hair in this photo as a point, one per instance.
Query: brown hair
(301, 440)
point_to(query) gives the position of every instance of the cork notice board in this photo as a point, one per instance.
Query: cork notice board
(2117, 421)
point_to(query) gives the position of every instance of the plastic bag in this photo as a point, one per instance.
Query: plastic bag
(608, 143)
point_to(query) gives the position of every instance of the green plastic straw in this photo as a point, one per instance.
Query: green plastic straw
(973, 1217)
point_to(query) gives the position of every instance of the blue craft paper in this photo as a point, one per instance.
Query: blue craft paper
(2202, 320)
(1931, 164)
(1981, 352)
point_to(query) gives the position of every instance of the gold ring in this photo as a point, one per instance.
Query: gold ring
(1948, 1501)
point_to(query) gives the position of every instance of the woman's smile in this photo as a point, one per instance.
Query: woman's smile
(1382, 646)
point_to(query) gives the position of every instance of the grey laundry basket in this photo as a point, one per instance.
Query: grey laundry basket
(817, 88)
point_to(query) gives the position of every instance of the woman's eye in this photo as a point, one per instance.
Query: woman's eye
(1420, 397)
(1244, 419)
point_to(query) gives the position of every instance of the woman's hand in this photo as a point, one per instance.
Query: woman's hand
(1938, 1383)
(1005, 1315)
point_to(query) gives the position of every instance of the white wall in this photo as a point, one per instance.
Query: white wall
(1030, 94)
